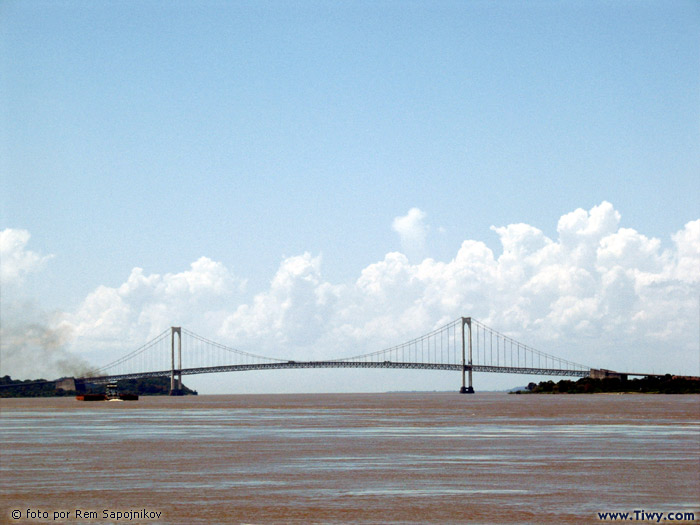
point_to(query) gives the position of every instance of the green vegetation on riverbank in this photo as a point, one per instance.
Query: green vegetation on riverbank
(646, 385)
(29, 388)
(151, 386)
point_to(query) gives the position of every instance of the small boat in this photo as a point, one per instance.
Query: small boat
(111, 394)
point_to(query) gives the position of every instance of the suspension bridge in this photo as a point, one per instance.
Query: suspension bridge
(464, 345)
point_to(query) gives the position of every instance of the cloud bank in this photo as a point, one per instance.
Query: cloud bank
(599, 294)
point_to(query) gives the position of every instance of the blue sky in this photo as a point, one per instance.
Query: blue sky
(151, 134)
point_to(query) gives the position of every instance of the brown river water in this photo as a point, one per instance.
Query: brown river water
(350, 458)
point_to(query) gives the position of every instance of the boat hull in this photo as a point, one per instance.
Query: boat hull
(91, 397)
(104, 397)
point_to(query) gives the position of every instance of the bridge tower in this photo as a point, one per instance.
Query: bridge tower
(175, 384)
(466, 363)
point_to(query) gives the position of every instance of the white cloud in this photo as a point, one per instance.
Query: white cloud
(293, 312)
(145, 305)
(687, 242)
(412, 231)
(15, 260)
(599, 294)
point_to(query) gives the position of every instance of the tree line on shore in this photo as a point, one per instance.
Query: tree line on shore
(667, 384)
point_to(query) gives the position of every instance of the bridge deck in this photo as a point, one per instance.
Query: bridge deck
(345, 364)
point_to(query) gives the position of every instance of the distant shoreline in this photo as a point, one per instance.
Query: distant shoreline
(154, 386)
(667, 384)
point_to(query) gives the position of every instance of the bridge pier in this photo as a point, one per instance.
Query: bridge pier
(175, 373)
(466, 367)
(467, 389)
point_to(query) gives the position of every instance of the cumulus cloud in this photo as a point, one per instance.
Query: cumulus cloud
(145, 304)
(293, 312)
(15, 260)
(412, 231)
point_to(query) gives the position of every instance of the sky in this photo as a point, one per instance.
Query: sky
(325, 178)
